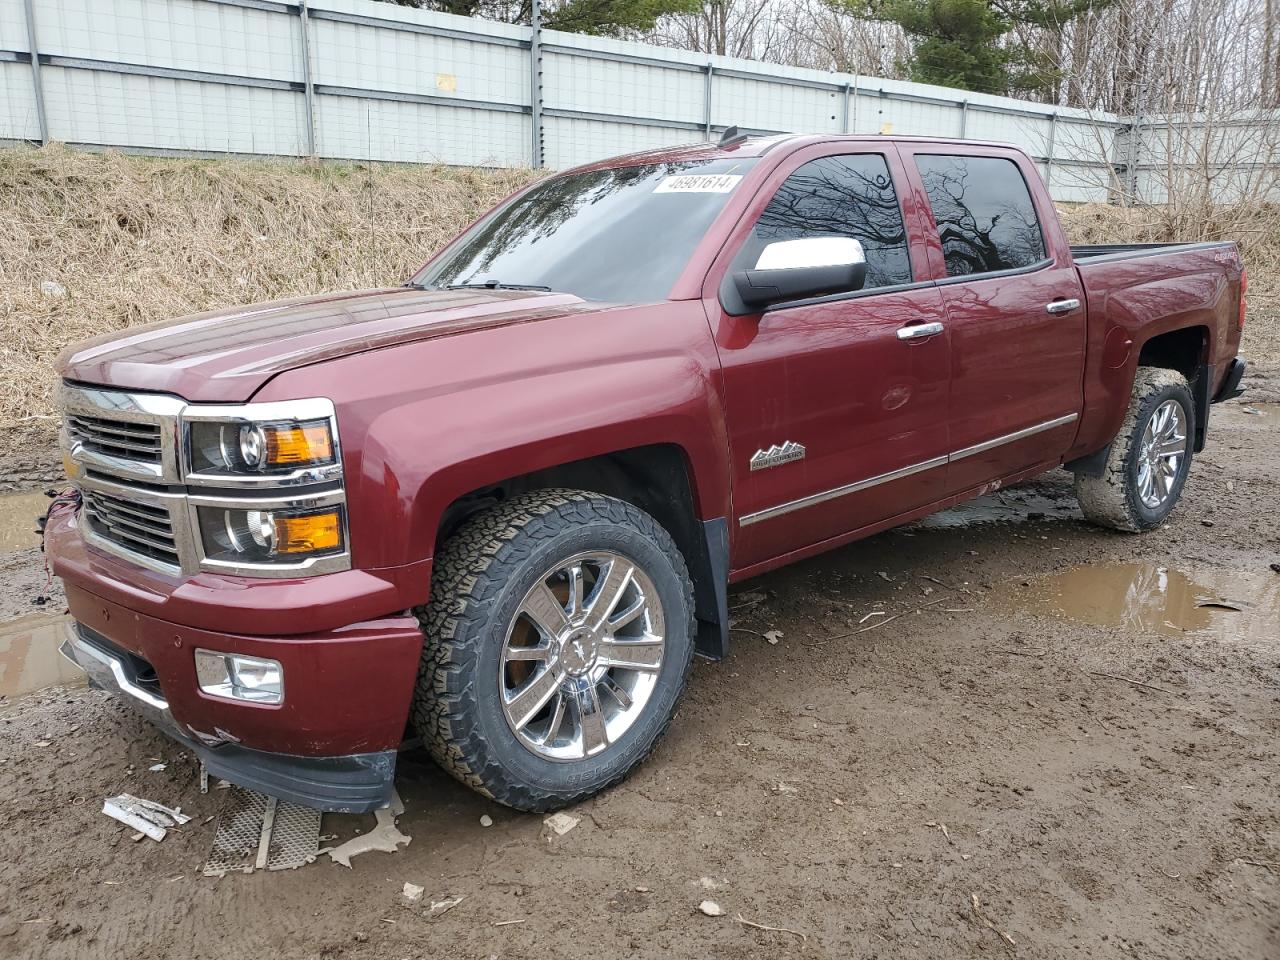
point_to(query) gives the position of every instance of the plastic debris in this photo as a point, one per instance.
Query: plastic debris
(257, 832)
(773, 636)
(711, 908)
(147, 817)
(158, 767)
(384, 836)
(561, 823)
(439, 907)
(52, 288)
(412, 891)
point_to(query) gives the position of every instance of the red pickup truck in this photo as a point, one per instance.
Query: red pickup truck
(500, 506)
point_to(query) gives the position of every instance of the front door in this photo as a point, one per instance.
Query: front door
(1015, 312)
(836, 419)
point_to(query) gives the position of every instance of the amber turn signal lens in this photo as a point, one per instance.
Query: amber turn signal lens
(288, 446)
(310, 533)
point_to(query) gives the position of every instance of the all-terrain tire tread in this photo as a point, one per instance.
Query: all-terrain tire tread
(467, 577)
(1109, 500)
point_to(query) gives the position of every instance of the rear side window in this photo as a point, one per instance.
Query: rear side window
(848, 196)
(985, 216)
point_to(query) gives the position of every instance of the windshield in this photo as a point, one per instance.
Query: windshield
(622, 234)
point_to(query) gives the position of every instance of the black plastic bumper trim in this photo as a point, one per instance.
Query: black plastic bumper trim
(1231, 388)
(355, 783)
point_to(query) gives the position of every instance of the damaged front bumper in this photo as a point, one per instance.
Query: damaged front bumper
(353, 783)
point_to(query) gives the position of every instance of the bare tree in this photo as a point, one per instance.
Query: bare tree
(800, 33)
(732, 28)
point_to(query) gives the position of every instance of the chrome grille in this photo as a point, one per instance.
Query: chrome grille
(137, 527)
(125, 453)
(132, 440)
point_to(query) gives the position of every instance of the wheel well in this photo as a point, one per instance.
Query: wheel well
(1183, 350)
(654, 478)
(1187, 351)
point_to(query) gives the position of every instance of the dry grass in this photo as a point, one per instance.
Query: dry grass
(139, 239)
(1255, 226)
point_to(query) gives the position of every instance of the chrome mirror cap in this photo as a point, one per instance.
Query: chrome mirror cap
(809, 252)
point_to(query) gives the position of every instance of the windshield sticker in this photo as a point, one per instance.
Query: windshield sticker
(699, 183)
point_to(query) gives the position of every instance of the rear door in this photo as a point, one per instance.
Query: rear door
(1015, 310)
(836, 420)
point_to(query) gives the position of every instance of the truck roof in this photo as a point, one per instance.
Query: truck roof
(756, 146)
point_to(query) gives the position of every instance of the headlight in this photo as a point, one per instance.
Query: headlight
(234, 447)
(266, 487)
(262, 536)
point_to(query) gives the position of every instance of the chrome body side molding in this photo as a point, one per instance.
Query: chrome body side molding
(1012, 437)
(815, 498)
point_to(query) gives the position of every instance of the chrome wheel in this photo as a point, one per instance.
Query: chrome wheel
(582, 656)
(1160, 454)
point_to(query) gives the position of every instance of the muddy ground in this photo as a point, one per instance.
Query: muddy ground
(1042, 746)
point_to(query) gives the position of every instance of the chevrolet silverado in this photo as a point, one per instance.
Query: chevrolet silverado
(500, 506)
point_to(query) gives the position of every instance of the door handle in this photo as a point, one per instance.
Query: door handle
(919, 330)
(1062, 306)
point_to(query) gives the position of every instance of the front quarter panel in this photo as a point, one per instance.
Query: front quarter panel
(423, 424)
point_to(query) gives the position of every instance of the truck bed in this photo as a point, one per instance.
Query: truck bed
(1137, 290)
(1121, 251)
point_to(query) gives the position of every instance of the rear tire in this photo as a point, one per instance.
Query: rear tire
(1149, 459)
(559, 636)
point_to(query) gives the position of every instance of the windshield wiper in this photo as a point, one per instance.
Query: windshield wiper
(495, 285)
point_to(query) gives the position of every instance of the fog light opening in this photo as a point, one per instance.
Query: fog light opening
(233, 676)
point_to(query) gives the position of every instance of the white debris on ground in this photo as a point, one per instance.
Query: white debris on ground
(561, 823)
(384, 836)
(711, 908)
(412, 891)
(147, 817)
(439, 907)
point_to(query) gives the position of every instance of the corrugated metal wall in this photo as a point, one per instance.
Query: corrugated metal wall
(355, 79)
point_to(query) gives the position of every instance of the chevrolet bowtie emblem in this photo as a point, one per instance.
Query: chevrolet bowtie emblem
(777, 455)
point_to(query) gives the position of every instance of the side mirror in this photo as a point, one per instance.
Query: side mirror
(795, 269)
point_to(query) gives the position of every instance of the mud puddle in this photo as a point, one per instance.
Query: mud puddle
(1234, 607)
(1268, 413)
(18, 512)
(29, 658)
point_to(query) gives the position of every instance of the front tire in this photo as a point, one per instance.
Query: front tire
(559, 636)
(1149, 459)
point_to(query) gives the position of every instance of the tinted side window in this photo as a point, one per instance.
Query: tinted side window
(985, 216)
(850, 196)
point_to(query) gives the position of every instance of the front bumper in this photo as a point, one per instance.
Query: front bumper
(354, 783)
(349, 669)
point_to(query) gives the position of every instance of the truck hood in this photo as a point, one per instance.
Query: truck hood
(227, 355)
